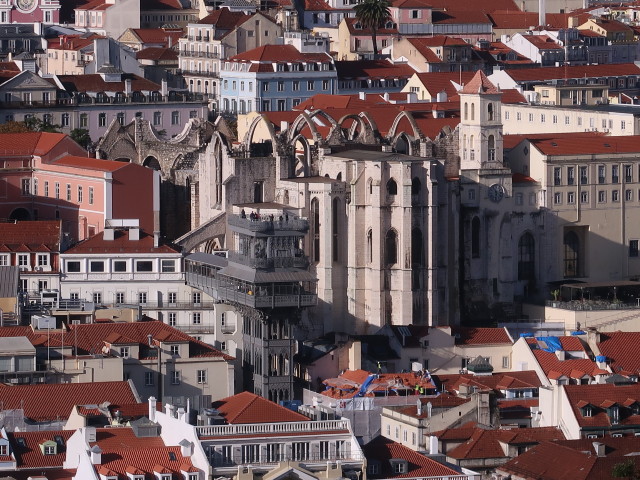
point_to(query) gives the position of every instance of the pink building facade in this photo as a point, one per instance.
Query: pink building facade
(82, 192)
(29, 11)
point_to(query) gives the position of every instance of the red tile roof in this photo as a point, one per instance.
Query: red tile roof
(437, 82)
(481, 444)
(42, 235)
(156, 53)
(278, 54)
(480, 84)
(602, 396)
(573, 71)
(612, 25)
(486, 6)
(120, 243)
(48, 402)
(349, 383)
(621, 350)
(443, 400)
(123, 452)
(317, 6)
(497, 381)
(573, 459)
(31, 143)
(515, 19)
(72, 42)
(382, 450)
(162, 36)
(572, 368)
(93, 82)
(225, 19)
(88, 163)
(459, 16)
(481, 336)
(247, 407)
(381, 32)
(363, 69)
(30, 455)
(542, 42)
(594, 144)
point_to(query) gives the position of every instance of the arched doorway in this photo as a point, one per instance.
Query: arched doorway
(20, 214)
(152, 163)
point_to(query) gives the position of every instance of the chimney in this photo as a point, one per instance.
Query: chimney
(109, 234)
(128, 90)
(362, 95)
(181, 414)
(418, 407)
(96, 455)
(541, 12)
(152, 408)
(134, 234)
(186, 448)
(156, 239)
(168, 409)
(164, 89)
(386, 96)
(89, 434)
(284, 126)
(433, 445)
(599, 448)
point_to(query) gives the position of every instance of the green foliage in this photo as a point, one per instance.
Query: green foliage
(372, 14)
(625, 470)
(31, 124)
(81, 137)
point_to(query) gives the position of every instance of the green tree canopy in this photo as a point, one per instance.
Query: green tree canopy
(372, 14)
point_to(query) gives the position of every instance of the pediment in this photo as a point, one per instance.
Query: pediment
(27, 81)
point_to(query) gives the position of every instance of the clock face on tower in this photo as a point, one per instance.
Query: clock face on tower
(496, 192)
(25, 5)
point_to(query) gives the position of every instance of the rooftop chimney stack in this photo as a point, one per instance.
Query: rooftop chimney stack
(152, 408)
(96, 455)
(541, 13)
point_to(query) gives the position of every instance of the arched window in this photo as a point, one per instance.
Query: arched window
(473, 111)
(315, 230)
(571, 255)
(392, 187)
(416, 186)
(526, 257)
(475, 237)
(391, 248)
(491, 146)
(370, 246)
(490, 112)
(335, 223)
(464, 147)
(370, 187)
(417, 257)
(472, 152)
(466, 111)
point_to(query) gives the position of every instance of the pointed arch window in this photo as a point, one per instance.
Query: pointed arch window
(466, 111)
(475, 237)
(526, 257)
(369, 246)
(335, 224)
(491, 146)
(392, 187)
(391, 248)
(315, 230)
(490, 113)
(473, 111)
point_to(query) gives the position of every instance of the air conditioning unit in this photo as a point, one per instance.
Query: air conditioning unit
(14, 380)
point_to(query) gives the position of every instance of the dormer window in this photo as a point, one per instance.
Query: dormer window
(587, 411)
(388, 25)
(399, 465)
(357, 26)
(614, 414)
(4, 449)
(49, 447)
(373, 468)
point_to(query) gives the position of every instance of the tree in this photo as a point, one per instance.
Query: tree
(14, 127)
(625, 470)
(81, 137)
(372, 14)
(31, 124)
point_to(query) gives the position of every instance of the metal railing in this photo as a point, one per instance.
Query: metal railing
(267, 225)
(189, 53)
(268, 428)
(267, 459)
(269, 262)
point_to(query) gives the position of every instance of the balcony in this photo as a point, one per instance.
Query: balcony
(198, 73)
(167, 305)
(282, 428)
(190, 54)
(269, 263)
(269, 226)
(65, 103)
(275, 459)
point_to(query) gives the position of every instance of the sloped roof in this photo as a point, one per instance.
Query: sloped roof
(349, 383)
(161, 36)
(46, 402)
(364, 69)
(157, 53)
(592, 144)
(382, 449)
(573, 71)
(542, 42)
(30, 456)
(436, 82)
(480, 84)
(481, 336)
(93, 82)
(496, 381)
(621, 350)
(278, 54)
(442, 400)
(248, 407)
(71, 42)
(29, 143)
(485, 6)
(515, 19)
(381, 32)
(33, 234)
(602, 396)
(120, 244)
(225, 19)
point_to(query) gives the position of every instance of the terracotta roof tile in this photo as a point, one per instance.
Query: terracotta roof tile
(280, 53)
(41, 235)
(621, 350)
(26, 448)
(573, 71)
(247, 407)
(120, 243)
(486, 6)
(480, 84)
(382, 449)
(225, 19)
(52, 401)
(593, 144)
(481, 336)
(350, 382)
(436, 82)
(156, 53)
(515, 19)
(364, 69)
(163, 37)
(496, 381)
(88, 163)
(542, 42)
(601, 396)
(31, 143)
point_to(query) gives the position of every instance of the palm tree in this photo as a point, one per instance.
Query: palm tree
(372, 14)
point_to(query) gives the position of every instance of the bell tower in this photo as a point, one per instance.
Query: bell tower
(480, 140)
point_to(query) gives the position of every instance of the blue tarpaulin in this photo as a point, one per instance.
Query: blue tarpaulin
(553, 343)
(365, 385)
(601, 358)
(526, 335)
(578, 332)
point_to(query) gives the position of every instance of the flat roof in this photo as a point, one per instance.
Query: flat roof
(16, 344)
